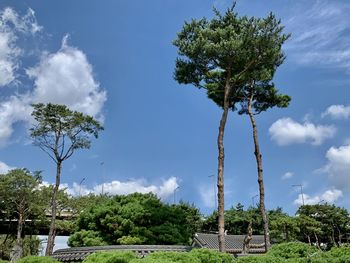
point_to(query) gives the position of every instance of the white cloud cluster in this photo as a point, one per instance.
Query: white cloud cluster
(338, 166)
(329, 196)
(287, 175)
(163, 190)
(337, 112)
(66, 77)
(11, 26)
(4, 168)
(286, 131)
(320, 33)
(207, 195)
(13, 110)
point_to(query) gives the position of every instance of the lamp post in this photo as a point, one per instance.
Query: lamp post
(214, 177)
(175, 194)
(320, 202)
(253, 198)
(102, 175)
(82, 180)
(301, 191)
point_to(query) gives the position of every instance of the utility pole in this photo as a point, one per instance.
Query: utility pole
(82, 180)
(102, 175)
(175, 194)
(253, 198)
(214, 177)
(301, 191)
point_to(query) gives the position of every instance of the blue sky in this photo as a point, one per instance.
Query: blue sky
(115, 61)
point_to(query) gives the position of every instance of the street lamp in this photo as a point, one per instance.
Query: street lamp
(175, 194)
(82, 180)
(214, 177)
(253, 197)
(301, 191)
(320, 202)
(102, 175)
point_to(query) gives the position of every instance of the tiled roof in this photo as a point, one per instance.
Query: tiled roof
(233, 243)
(79, 253)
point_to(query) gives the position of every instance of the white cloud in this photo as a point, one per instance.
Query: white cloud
(286, 131)
(337, 112)
(13, 110)
(338, 166)
(4, 168)
(164, 190)
(66, 77)
(207, 195)
(329, 196)
(11, 27)
(287, 175)
(319, 33)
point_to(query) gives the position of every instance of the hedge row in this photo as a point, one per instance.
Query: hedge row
(195, 256)
(282, 253)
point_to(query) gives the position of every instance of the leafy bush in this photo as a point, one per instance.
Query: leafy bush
(335, 255)
(169, 257)
(343, 251)
(211, 256)
(111, 257)
(292, 250)
(37, 259)
(261, 259)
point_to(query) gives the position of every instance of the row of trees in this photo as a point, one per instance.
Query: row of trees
(143, 219)
(25, 208)
(314, 224)
(234, 59)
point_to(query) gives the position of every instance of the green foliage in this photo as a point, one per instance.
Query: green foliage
(110, 257)
(37, 259)
(20, 194)
(284, 228)
(31, 245)
(211, 256)
(333, 222)
(170, 257)
(260, 259)
(292, 250)
(60, 131)
(135, 219)
(241, 48)
(86, 238)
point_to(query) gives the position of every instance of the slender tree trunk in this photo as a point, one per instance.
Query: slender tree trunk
(309, 239)
(52, 231)
(340, 236)
(19, 229)
(333, 237)
(221, 157)
(317, 241)
(258, 157)
(17, 250)
(247, 239)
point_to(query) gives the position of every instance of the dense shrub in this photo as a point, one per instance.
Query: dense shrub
(292, 250)
(111, 257)
(335, 255)
(37, 259)
(261, 259)
(211, 256)
(169, 257)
